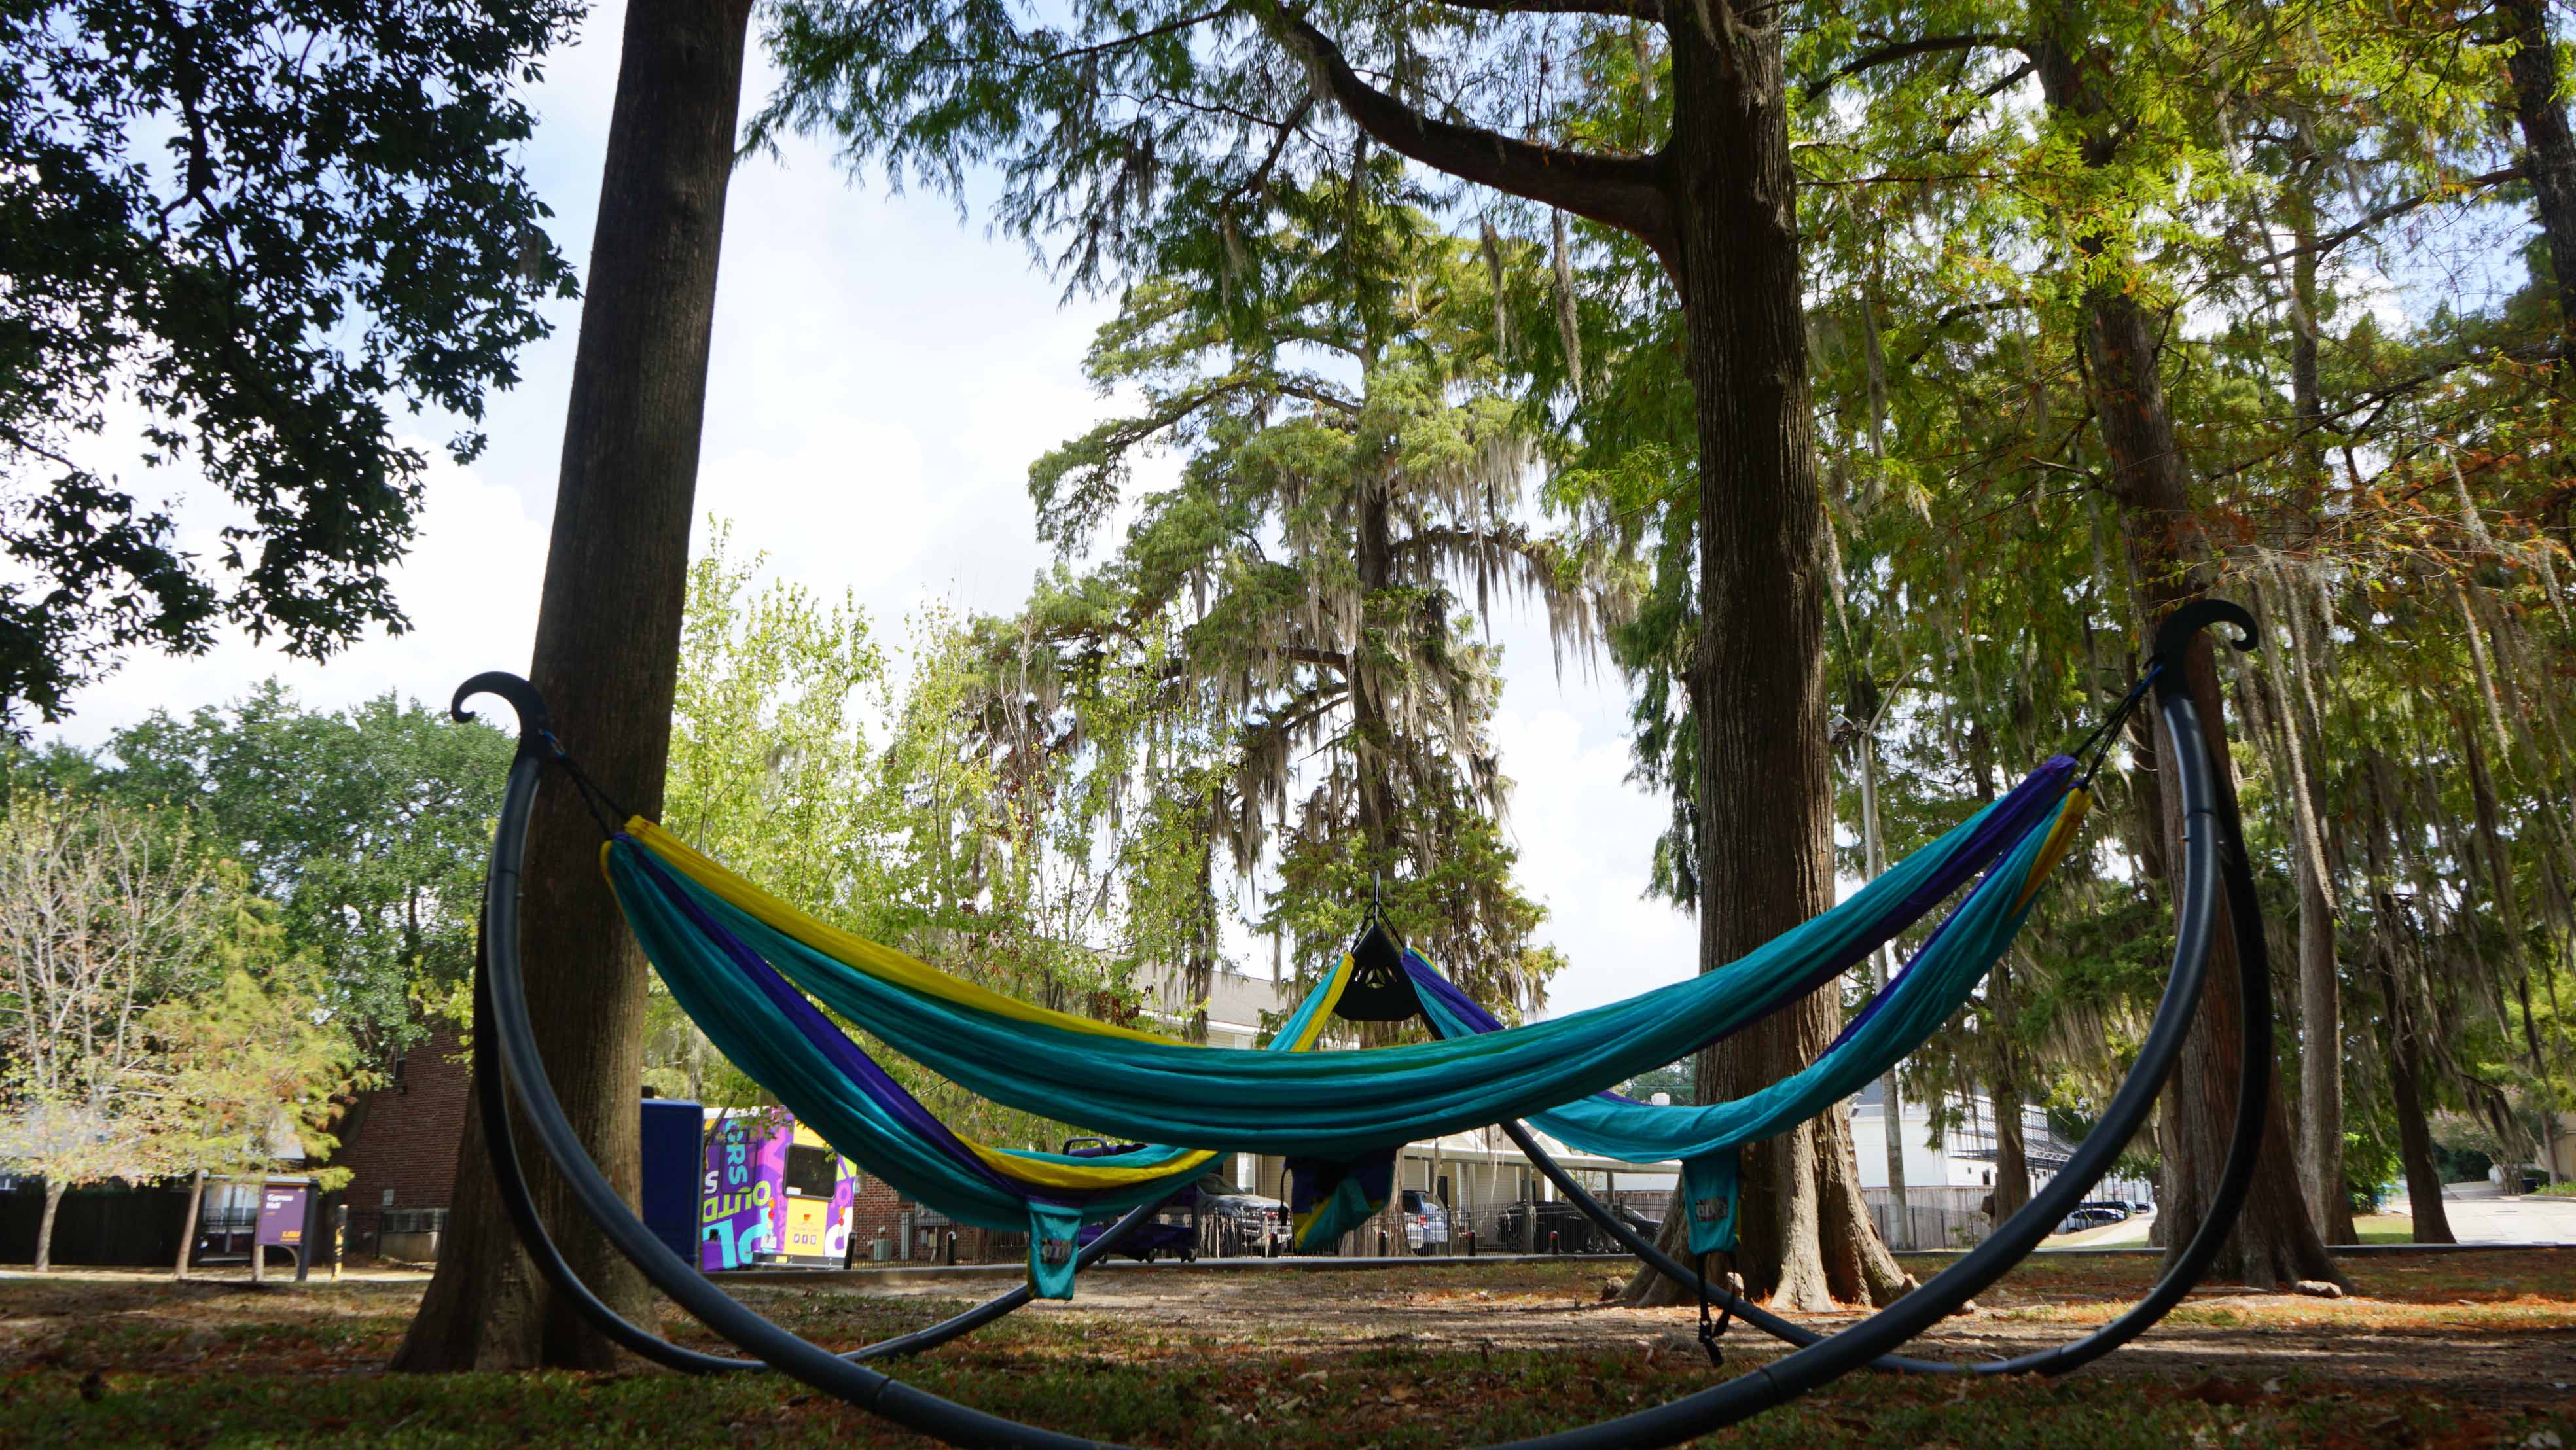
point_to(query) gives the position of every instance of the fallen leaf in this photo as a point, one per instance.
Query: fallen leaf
(2216, 1391)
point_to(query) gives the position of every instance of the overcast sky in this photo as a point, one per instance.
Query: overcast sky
(882, 377)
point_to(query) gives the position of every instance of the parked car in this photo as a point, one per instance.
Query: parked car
(1426, 1222)
(2118, 1210)
(1574, 1232)
(2089, 1217)
(1241, 1225)
(1169, 1235)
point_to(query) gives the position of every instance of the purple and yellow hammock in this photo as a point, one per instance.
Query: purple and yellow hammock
(755, 970)
(750, 970)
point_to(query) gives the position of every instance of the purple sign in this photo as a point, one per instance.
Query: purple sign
(281, 1215)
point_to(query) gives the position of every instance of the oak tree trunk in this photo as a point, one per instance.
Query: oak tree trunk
(2401, 1036)
(607, 660)
(2274, 1240)
(1891, 1097)
(2549, 145)
(2012, 1147)
(1758, 677)
(1718, 207)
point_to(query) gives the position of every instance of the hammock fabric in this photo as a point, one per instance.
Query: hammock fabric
(1895, 1022)
(742, 964)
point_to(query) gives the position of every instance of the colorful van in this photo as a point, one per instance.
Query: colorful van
(774, 1194)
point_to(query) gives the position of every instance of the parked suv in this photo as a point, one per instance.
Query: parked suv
(1426, 1222)
(1240, 1224)
(2089, 1217)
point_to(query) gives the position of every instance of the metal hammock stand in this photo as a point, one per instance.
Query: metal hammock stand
(505, 1052)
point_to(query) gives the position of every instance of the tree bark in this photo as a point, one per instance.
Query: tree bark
(2012, 1149)
(188, 1226)
(2549, 146)
(1874, 841)
(2320, 983)
(2274, 1240)
(2401, 1035)
(2399, 1023)
(1718, 206)
(45, 1225)
(1758, 678)
(607, 660)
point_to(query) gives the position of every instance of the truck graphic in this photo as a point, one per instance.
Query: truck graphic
(772, 1194)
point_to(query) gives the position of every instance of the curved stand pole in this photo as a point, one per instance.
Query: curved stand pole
(509, 1175)
(2208, 826)
(510, 1178)
(2245, 1139)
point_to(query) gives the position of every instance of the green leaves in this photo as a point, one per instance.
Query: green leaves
(368, 828)
(240, 229)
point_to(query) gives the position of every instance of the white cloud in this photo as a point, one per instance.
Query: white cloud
(1586, 836)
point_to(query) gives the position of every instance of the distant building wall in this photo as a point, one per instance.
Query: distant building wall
(402, 1157)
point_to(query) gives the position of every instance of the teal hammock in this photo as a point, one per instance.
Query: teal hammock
(743, 968)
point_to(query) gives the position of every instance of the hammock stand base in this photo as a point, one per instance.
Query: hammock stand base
(2213, 861)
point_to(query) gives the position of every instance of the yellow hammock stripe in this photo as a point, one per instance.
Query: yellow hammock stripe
(913, 974)
(881, 962)
(1048, 1174)
(2070, 819)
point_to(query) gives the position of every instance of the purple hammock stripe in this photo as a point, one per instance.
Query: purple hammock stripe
(2048, 804)
(2035, 799)
(845, 1055)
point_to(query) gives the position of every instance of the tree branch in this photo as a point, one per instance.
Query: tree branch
(2338, 237)
(1907, 50)
(1316, 395)
(1058, 57)
(1617, 9)
(1617, 191)
(1331, 659)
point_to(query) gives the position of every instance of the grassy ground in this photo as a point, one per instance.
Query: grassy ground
(2437, 1350)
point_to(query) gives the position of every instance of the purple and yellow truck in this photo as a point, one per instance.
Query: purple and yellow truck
(772, 1194)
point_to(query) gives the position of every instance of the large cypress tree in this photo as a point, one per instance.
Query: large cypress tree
(1142, 122)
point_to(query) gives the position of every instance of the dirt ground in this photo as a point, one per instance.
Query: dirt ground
(2429, 1350)
(2480, 1324)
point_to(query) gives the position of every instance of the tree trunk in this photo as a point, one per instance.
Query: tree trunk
(2549, 146)
(2497, 860)
(607, 660)
(2274, 1239)
(2012, 1149)
(1874, 841)
(2320, 983)
(45, 1225)
(2406, 1083)
(1758, 677)
(188, 1226)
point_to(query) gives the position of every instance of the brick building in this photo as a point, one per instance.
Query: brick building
(400, 1143)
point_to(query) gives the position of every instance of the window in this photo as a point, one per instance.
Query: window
(811, 1172)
